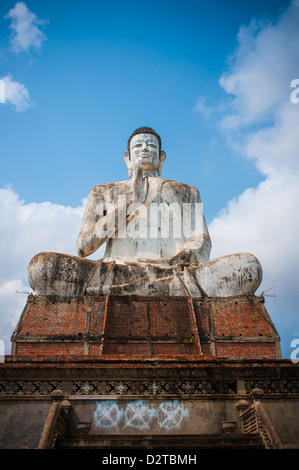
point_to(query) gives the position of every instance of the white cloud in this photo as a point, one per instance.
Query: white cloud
(25, 230)
(264, 64)
(202, 107)
(12, 299)
(263, 125)
(205, 109)
(25, 28)
(25, 35)
(15, 93)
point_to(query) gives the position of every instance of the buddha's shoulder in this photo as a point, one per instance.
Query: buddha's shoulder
(126, 186)
(176, 186)
(118, 186)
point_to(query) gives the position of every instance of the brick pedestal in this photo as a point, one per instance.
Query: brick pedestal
(93, 326)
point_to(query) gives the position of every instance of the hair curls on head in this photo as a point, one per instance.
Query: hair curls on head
(144, 130)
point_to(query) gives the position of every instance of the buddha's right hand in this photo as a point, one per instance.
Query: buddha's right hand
(140, 187)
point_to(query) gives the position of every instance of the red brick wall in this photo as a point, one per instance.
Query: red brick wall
(136, 349)
(202, 313)
(248, 350)
(240, 319)
(149, 326)
(49, 349)
(126, 320)
(45, 317)
(206, 350)
(226, 328)
(97, 312)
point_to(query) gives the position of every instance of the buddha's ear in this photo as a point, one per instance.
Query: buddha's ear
(162, 158)
(128, 163)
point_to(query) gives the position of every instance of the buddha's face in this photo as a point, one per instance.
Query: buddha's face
(144, 152)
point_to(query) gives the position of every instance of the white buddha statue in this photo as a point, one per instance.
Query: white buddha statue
(157, 240)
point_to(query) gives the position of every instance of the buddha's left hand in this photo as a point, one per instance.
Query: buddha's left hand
(182, 256)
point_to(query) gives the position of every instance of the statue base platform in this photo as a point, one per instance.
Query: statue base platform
(126, 372)
(137, 326)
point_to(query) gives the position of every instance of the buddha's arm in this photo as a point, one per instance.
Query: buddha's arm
(102, 219)
(198, 247)
(98, 225)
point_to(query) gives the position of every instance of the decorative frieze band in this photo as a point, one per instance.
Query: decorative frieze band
(144, 388)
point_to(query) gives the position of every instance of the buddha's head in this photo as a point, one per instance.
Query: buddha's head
(144, 151)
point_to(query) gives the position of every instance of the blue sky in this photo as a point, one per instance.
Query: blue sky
(109, 67)
(211, 77)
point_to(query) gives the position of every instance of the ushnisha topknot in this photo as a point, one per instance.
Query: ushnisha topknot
(144, 130)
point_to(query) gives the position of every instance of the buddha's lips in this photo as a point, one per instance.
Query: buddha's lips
(145, 155)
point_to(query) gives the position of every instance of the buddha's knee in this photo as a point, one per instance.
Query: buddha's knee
(229, 275)
(59, 274)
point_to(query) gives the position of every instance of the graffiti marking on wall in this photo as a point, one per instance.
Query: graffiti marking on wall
(171, 414)
(139, 414)
(107, 414)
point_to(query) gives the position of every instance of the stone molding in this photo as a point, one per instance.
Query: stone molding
(229, 380)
